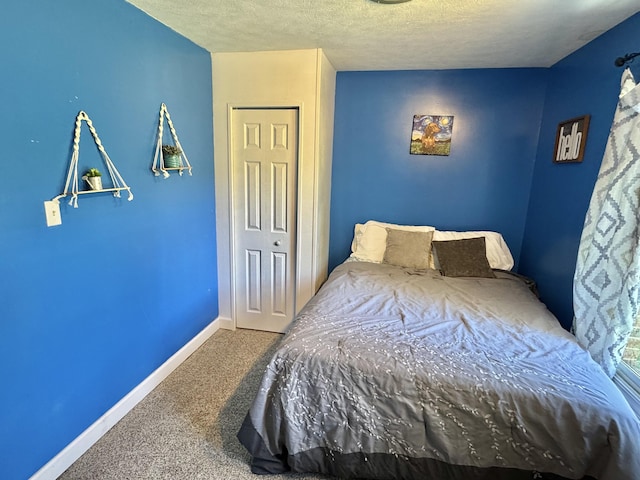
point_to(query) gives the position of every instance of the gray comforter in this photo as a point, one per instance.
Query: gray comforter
(390, 373)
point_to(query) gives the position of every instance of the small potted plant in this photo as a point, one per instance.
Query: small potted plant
(94, 178)
(171, 155)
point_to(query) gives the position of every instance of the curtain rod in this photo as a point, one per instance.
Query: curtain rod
(620, 61)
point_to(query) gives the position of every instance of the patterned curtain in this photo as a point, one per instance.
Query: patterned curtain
(606, 284)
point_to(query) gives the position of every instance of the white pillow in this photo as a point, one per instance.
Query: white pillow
(498, 252)
(370, 239)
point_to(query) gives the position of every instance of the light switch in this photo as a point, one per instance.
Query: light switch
(52, 211)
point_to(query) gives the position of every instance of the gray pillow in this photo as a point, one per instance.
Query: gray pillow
(466, 257)
(408, 248)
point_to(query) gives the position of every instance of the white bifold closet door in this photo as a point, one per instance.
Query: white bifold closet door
(265, 155)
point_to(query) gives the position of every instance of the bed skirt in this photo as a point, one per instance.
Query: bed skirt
(377, 466)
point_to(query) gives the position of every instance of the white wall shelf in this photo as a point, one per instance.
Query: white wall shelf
(84, 192)
(71, 188)
(158, 160)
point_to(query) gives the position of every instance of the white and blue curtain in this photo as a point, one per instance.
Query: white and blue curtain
(606, 284)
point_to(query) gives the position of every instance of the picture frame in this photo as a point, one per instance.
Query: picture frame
(571, 139)
(431, 135)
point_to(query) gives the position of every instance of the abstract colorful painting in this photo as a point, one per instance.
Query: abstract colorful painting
(431, 135)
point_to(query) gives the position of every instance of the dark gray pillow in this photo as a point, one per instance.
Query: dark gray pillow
(407, 248)
(466, 257)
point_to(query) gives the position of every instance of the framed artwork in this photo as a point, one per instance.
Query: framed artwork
(431, 135)
(571, 138)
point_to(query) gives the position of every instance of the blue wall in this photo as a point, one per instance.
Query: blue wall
(90, 308)
(500, 175)
(586, 82)
(484, 182)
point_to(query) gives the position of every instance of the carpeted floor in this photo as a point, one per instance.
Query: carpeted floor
(186, 428)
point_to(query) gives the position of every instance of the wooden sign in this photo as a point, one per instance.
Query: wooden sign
(571, 138)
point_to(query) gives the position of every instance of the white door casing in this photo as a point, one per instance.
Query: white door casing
(264, 155)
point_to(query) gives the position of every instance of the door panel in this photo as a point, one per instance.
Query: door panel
(253, 196)
(280, 204)
(253, 280)
(279, 269)
(265, 154)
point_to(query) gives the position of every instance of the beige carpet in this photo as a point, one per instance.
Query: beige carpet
(186, 428)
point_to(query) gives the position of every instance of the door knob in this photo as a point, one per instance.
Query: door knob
(277, 243)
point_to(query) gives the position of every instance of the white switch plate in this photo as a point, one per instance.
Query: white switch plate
(52, 211)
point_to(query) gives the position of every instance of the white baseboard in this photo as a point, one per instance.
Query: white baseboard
(63, 460)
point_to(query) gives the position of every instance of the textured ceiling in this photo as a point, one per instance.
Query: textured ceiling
(420, 34)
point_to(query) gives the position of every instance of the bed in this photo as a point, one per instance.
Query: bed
(393, 371)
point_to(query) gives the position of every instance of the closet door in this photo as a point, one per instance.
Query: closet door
(264, 158)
